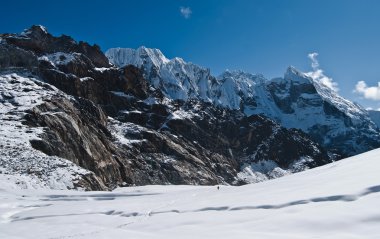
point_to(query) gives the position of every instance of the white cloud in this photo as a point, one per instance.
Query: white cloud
(368, 92)
(370, 108)
(185, 12)
(318, 75)
(314, 61)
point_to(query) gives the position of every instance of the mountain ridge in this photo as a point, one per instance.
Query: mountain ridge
(295, 100)
(157, 122)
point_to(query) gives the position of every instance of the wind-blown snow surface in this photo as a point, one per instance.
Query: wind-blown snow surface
(339, 200)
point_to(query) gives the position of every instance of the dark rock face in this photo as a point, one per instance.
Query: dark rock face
(11, 56)
(245, 139)
(204, 144)
(375, 116)
(149, 139)
(39, 41)
(76, 130)
(295, 91)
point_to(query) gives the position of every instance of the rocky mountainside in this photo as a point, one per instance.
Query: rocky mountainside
(375, 116)
(294, 101)
(71, 119)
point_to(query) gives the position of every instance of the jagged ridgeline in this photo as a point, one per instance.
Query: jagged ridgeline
(72, 116)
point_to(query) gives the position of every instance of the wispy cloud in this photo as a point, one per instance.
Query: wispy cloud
(373, 109)
(318, 75)
(314, 60)
(368, 92)
(185, 12)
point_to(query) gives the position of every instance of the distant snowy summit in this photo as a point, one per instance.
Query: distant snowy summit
(295, 100)
(177, 78)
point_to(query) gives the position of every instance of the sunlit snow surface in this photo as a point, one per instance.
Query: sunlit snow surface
(339, 200)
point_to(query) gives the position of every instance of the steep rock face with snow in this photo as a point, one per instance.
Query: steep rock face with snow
(21, 96)
(294, 101)
(133, 125)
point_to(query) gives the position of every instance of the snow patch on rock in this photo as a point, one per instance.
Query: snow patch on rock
(59, 58)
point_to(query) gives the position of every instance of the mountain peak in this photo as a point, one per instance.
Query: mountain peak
(142, 55)
(35, 30)
(152, 52)
(291, 70)
(294, 75)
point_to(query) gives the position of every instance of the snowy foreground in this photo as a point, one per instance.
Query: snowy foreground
(339, 200)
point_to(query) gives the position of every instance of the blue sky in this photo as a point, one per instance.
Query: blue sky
(258, 36)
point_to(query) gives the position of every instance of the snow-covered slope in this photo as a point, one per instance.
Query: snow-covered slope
(338, 200)
(294, 101)
(21, 165)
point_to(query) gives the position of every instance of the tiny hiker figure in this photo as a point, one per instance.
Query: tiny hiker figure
(217, 187)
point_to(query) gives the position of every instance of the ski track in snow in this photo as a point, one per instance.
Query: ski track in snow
(11, 215)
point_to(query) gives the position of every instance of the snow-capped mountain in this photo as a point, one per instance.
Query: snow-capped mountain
(176, 78)
(294, 101)
(147, 119)
(328, 118)
(160, 123)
